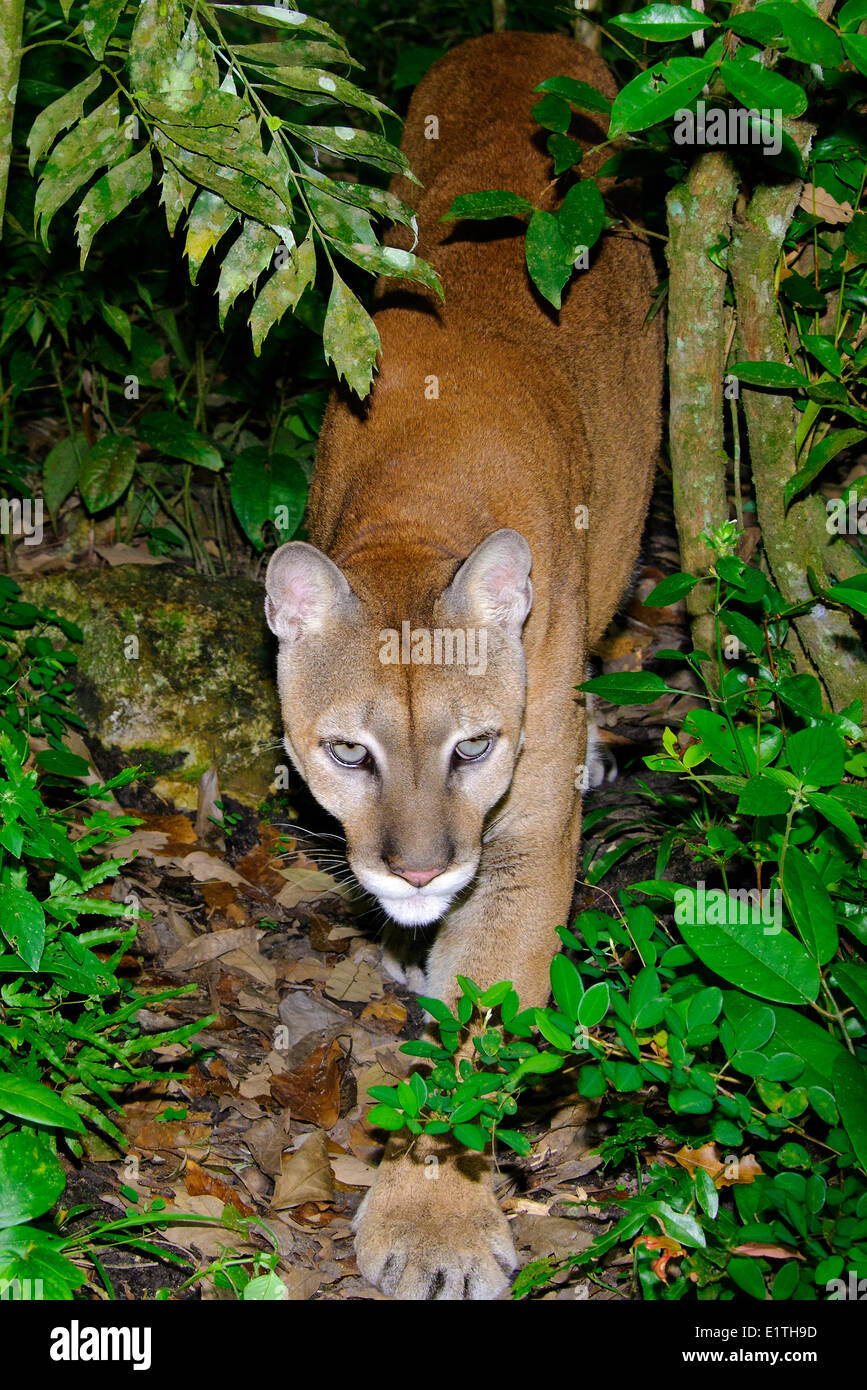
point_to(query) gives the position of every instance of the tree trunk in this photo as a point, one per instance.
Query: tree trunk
(11, 27)
(797, 538)
(699, 216)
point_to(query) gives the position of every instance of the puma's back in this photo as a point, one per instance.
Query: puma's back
(532, 409)
(473, 527)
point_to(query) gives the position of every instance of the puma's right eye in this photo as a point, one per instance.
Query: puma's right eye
(348, 754)
(472, 750)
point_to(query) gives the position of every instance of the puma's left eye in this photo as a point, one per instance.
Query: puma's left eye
(472, 750)
(348, 754)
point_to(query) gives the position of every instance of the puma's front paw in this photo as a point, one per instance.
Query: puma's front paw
(434, 1230)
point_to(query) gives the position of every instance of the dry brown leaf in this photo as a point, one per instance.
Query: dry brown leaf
(177, 829)
(745, 1169)
(668, 1248)
(200, 1183)
(261, 865)
(121, 554)
(250, 959)
(312, 1089)
(350, 1171)
(387, 1013)
(353, 981)
(305, 1175)
(266, 1140)
(218, 896)
(759, 1250)
(209, 947)
(206, 867)
(304, 884)
(819, 201)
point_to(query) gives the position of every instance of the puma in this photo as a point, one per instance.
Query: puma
(453, 511)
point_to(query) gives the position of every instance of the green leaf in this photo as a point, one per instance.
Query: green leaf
(670, 590)
(850, 1093)
(755, 1029)
(209, 221)
(817, 756)
(748, 1276)
(763, 797)
(800, 290)
(553, 113)
(840, 818)
(472, 1136)
(170, 435)
(384, 1117)
(853, 594)
(566, 986)
(594, 1005)
(491, 203)
(581, 217)
(28, 1253)
(360, 145)
(419, 1086)
(350, 338)
(106, 471)
(98, 25)
(283, 290)
(824, 351)
(59, 116)
(770, 964)
(547, 255)
(662, 23)
(628, 687)
(758, 88)
(96, 142)
(22, 921)
(716, 736)
(244, 262)
(110, 195)
(519, 1142)
(407, 1098)
(852, 979)
(820, 455)
(391, 260)
(770, 374)
(438, 1010)
(808, 39)
(654, 95)
(61, 763)
(851, 15)
(580, 94)
(855, 236)
(793, 1034)
(565, 152)
(550, 1030)
(60, 470)
(31, 1179)
(36, 1104)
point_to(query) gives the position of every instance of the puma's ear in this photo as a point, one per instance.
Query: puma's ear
(305, 591)
(493, 583)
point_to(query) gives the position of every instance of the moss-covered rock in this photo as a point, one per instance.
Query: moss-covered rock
(175, 670)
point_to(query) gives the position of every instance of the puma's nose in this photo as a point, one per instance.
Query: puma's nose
(417, 877)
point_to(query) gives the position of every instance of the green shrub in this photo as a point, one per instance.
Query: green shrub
(69, 1040)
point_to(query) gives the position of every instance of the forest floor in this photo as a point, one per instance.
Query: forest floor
(268, 1118)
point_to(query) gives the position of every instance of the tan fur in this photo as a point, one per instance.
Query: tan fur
(432, 512)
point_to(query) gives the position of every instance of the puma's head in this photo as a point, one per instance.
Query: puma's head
(405, 725)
